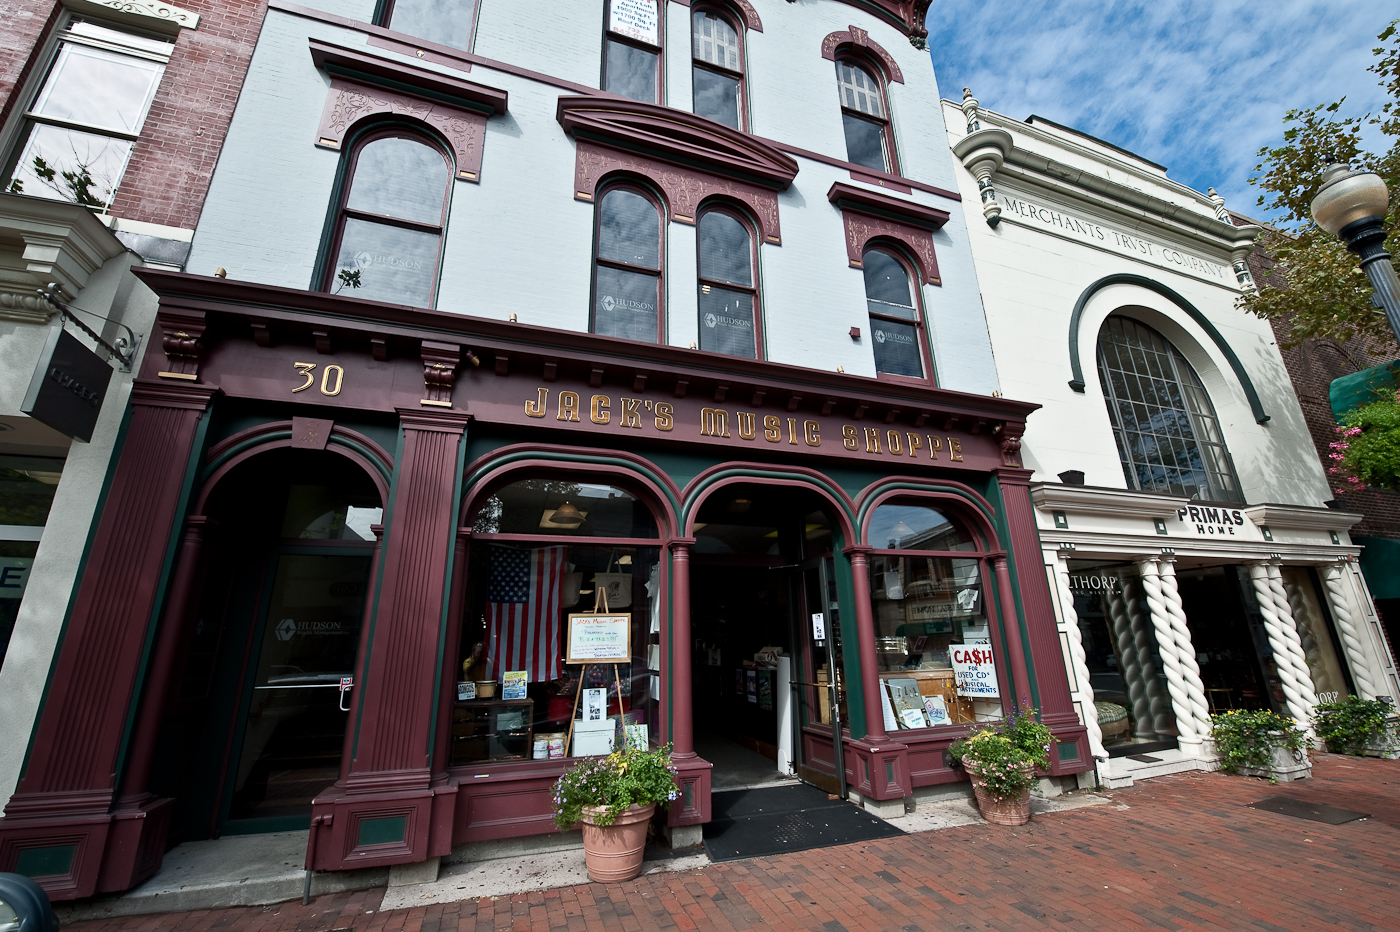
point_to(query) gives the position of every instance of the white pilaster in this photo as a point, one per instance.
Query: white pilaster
(1088, 712)
(1334, 580)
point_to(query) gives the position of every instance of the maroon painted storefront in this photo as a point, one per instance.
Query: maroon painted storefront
(475, 404)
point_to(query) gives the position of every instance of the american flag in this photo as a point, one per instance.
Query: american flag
(522, 611)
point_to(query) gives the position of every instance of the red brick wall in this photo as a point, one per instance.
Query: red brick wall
(173, 160)
(1312, 366)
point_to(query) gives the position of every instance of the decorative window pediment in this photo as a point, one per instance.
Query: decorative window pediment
(857, 39)
(870, 215)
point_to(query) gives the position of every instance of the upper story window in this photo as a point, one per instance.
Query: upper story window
(632, 50)
(718, 71)
(388, 233)
(869, 140)
(82, 121)
(627, 267)
(729, 311)
(1168, 435)
(896, 323)
(449, 22)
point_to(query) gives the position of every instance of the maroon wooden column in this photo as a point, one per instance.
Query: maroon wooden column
(1042, 637)
(693, 772)
(382, 813)
(347, 750)
(865, 644)
(1011, 633)
(61, 821)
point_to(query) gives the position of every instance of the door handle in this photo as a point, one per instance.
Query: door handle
(347, 683)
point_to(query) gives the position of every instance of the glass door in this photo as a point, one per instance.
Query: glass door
(821, 686)
(299, 702)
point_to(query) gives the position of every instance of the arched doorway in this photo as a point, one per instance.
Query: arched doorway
(255, 724)
(767, 664)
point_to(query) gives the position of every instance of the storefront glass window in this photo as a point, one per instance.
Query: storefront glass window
(27, 486)
(1120, 648)
(932, 637)
(1232, 647)
(1329, 677)
(516, 696)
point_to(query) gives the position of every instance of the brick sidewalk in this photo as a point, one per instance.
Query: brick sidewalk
(1180, 852)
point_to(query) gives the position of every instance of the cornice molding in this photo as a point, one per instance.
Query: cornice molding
(741, 8)
(1093, 500)
(1301, 517)
(1093, 544)
(905, 15)
(22, 306)
(391, 75)
(674, 136)
(53, 241)
(164, 12)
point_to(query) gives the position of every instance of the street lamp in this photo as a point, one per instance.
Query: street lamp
(1352, 205)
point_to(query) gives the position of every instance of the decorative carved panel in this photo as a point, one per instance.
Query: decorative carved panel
(861, 229)
(162, 11)
(742, 7)
(860, 40)
(348, 102)
(684, 189)
(181, 340)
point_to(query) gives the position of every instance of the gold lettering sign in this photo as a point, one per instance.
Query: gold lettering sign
(536, 406)
(598, 409)
(665, 419)
(568, 406)
(332, 378)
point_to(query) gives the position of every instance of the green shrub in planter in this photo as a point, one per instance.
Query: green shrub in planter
(1351, 724)
(1246, 738)
(615, 783)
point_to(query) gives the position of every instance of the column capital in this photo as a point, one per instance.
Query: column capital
(681, 543)
(453, 422)
(857, 550)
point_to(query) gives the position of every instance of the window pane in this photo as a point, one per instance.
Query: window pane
(631, 72)
(625, 304)
(896, 348)
(395, 264)
(859, 90)
(865, 143)
(887, 286)
(925, 610)
(717, 97)
(715, 41)
(629, 230)
(726, 322)
(67, 150)
(529, 507)
(725, 249)
(27, 487)
(445, 21)
(99, 88)
(400, 178)
(916, 527)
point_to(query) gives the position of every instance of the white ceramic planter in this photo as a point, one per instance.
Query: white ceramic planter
(1386, 746)
(1284, 766)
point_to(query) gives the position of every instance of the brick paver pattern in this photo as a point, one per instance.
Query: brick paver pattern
(1178, 852)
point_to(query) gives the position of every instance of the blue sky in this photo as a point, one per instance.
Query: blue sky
(1196, 86)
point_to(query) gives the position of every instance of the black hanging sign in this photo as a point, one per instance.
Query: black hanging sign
(68, 386)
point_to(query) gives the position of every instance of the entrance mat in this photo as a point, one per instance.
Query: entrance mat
(1302, 809)
(780, 819)
(1145, 758)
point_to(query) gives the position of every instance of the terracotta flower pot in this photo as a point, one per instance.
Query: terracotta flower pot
(614, 852)
(1013, 811)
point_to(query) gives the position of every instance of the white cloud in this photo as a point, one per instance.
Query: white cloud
(1198, 87)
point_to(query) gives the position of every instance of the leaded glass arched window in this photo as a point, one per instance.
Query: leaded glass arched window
(1167, 432)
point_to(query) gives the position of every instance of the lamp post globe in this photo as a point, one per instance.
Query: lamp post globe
(1352, 205)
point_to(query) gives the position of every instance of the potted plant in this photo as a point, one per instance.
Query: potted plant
(613, 798)
(1001, 761)
(1364, 727)
(1261, 743)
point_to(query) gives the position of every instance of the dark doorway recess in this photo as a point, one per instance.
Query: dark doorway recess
(781, 819)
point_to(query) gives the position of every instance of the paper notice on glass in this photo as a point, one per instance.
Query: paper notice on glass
(636, 736)
(968, 600)
(974, 671)
(894, 588)
(595, 705)
(635, 19)
(514, 684)
(656, 689)
(937, 710)
(653, 656)
(891, 723)
(818, 626)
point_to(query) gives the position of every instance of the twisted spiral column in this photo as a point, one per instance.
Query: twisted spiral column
(1307, 623)
(1159, 705)
(1131, 671)
(1295, 643)
(1185, 648)
(1334, 581)
(1187, 732)
(1297, 685)
(1087, 710)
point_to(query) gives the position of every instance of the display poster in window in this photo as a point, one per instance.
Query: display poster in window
(635, 19)
(818, 626)
(936, 707)
(753, 685)
(891, 721)
(765, 690)
(466, 691)
(618, 587)
(595, 705)
(637, 736)
(514, 684)
(974, 671)
(908, 704)
(599, 639)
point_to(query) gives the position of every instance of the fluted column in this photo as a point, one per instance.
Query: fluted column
(865, 643)
(1185, 648)
(1188, 734)
(1288, 652)
(1335, 582)
(1088, 713)
(1131, 667)
(1011, 635)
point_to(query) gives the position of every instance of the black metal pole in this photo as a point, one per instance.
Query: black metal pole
(1366, 238)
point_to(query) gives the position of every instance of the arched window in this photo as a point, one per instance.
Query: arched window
(1168, 436)
(896, 324)
(928, 576)
(388, 232)
(627, 268)
(729, 307)
(449, 23)
(869, 139)
(718, 72)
